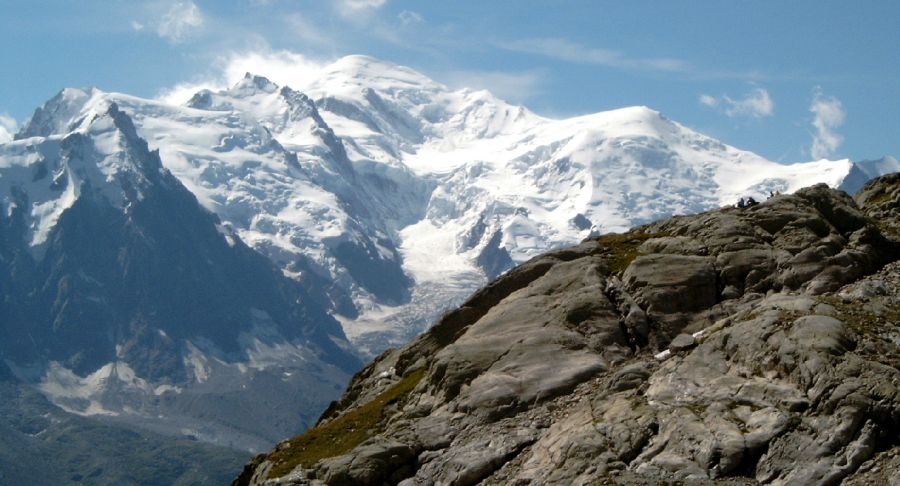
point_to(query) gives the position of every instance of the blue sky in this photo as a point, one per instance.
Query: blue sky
(791, 81)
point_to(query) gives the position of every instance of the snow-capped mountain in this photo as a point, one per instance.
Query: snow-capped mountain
(509, 184)
(391, 196)
(121, 297)
(865, 170)
(382, 196)
(304, 207)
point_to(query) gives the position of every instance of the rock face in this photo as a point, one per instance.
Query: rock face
(742, 346)
(121, 297)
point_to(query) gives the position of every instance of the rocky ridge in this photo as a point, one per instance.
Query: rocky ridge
(742, 346)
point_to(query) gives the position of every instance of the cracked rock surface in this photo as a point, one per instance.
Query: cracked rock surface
(738, 346)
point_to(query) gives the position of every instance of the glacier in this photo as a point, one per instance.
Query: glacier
(393, 197)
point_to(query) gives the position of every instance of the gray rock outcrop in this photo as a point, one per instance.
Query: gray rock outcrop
(738, 346)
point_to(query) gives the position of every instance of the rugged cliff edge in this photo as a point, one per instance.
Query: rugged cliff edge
(747, 345)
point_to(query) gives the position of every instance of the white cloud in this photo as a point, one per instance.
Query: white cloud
(285, 68)
(565, 50)
(8, 127)
(181, 92)
(756, 104)
(512, 86)
(829, 115)
(137, 26)
(408, 17)
(350, 8)
(180, 21)
(708, 100)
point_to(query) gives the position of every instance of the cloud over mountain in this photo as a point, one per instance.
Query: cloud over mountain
(829, 115)
(755, 104)
(8, 127)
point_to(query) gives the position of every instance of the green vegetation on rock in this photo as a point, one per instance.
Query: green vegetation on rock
(341, 434)
(862, 319)
(623, 248)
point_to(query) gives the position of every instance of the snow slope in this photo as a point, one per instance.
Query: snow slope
(394, 196)
(510, 184)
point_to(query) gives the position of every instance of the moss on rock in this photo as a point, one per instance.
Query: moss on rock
(342, 434)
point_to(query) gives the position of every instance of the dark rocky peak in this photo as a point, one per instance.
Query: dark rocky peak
(249, 86)
(202, 100)
(124, 295)
(111, 160)
(211, 101)
(252, 84)
(301, 105)
(139, 153)
(743, 345)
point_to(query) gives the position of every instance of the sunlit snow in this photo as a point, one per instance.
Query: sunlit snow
(432, 172)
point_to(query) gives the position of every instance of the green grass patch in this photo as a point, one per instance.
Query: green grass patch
(342, 434)
(623, 248)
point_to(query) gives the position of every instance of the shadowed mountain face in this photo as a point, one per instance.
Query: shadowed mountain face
(123, 299)
(748, 345)
(865, 170)
(106, 268)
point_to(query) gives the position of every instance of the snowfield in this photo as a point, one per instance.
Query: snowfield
(402, 196)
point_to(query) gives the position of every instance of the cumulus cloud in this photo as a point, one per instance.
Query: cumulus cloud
(180, 21)
(513, 86)
(285, 68)
(828, 116)
(8, 127)
(755, 104)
